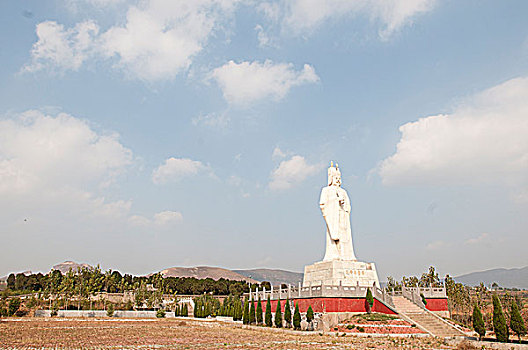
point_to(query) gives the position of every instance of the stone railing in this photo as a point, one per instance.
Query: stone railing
(321, 291)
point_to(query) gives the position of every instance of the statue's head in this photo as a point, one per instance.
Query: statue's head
(334, 175)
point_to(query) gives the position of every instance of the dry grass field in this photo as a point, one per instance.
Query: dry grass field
(37, 333)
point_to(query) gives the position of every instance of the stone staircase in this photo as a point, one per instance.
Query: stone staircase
(424, 319)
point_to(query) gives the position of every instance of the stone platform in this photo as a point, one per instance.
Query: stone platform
(341, 273)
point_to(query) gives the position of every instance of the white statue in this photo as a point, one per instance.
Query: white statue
(335, 207)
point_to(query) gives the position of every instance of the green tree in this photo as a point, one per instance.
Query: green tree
(110, 310)
(499, 322)
(14, 305)
(478, 322)
(297, 318)
(309, 314)
(259, 312)
(516, 321)
(278, 315)
(268, 313)
(252, 312)
(287, 314)
(245, 318)
(370, 300)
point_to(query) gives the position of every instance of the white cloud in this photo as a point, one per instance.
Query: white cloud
(304, 16)
(248, 82)
(212, 120)
(64, 49)
(291, 172)
(278, 153)
(167, 217)
(436, 245)
(158, 40)
(42, 151)
(477, 240)
(174, 169)
(484, 141)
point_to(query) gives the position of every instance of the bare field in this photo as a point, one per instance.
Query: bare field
(32, 333)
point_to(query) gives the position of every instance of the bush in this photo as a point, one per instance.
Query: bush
(309, 314)
(160, 313)
(516, 321)
(350, 326)
(267, 319)
(110, 310)
(478, 322)
(370, 300)
(499, 322)
(259, 312)
(14, 304)
(297, 318)
(361, 329)
(278, 315)
(424, 301)
(252, 312)
(287, 314)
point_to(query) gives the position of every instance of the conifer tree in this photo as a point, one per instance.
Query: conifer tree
(478, 322)
(309, 314)
(499, 322)
(252, 312)
(268, 313)
(297, 318)
(259, 312)
(245, 318)
(287, 314)
(370, 300)
(516, 321)
(195, 311)
(278, 315)
(240, 310)
(185, 310)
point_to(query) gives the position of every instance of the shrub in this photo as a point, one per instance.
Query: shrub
(278, 315)
(361, 329)
(252, 312)
(516, 321)
(350, 326)
(160, 313)
(309, 314)
(14, 304)
(478, 322)
(424, 301)
(110, 310)
(287, 314)
(245, 317)
(370, 300)
(268, 313)
(259, 312)
(297, 318)
(499, 322)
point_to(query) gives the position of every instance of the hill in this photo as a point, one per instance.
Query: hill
(67, 265)
(201, 272)
(509, 278)
(274, 276)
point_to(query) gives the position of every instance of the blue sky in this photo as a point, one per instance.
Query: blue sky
(147, 134)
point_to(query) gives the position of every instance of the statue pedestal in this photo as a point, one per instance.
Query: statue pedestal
(341, 272)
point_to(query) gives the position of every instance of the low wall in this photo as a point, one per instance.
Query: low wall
(101, 313)
(321, 305)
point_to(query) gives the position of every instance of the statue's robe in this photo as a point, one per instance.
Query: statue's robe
(335, 206)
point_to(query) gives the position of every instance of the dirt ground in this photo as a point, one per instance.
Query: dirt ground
(37, 333)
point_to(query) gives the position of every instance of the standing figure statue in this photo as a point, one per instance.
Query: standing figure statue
(335, 206)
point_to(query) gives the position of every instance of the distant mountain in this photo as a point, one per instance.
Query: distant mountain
(67, 265)
(201, 272)
(275, 277)
(509, 278)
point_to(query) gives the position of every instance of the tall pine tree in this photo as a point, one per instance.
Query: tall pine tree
(499, 322)
(478, 322)
(267, 319)
(278, 315)
(516, 321)
(252, 312)
(259, 312)
(245, 317)
(287, 314)
(297, 318)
